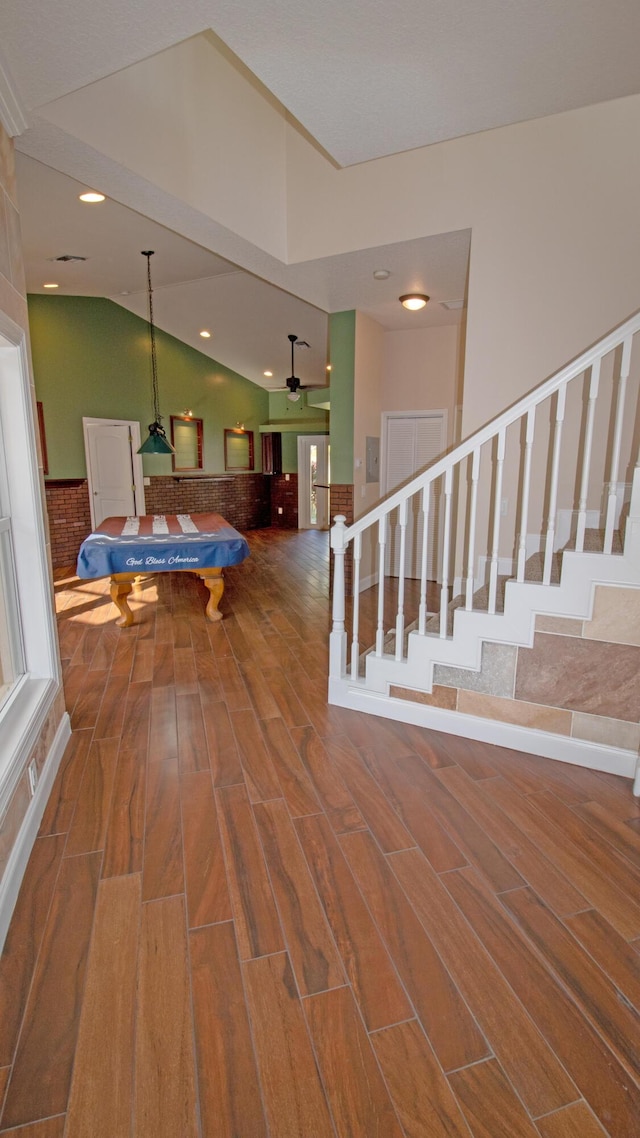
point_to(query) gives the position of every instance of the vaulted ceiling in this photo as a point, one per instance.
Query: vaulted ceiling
(363, 79)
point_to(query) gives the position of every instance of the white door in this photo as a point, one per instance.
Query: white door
(114, 469)
(411, 441)
(313, 481)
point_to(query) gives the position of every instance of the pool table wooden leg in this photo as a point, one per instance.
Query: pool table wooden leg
(121, 585)
(214, 581)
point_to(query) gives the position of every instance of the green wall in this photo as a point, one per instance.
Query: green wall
(285, 415)
(91, 357)
(342, 341)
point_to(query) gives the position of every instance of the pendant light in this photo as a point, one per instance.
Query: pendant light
(157, 443)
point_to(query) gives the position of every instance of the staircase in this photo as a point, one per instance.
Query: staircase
(511, 570)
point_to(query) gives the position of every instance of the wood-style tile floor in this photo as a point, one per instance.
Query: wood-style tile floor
(249, 913)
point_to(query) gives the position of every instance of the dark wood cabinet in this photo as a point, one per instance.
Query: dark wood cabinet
(272, 452)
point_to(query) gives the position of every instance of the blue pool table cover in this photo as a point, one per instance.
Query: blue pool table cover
(160, 543)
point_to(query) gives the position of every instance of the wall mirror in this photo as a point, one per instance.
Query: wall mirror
(186, 437)
(238, 449)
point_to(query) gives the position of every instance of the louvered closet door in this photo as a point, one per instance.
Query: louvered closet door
(411, 443)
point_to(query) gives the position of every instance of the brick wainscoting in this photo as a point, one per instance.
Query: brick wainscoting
(341, 502)
(69, 518)
(243, 499)
(284, 496)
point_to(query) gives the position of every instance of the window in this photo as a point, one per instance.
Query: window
(11, 654)
(186, 437)
(28, 647)
(238, 449)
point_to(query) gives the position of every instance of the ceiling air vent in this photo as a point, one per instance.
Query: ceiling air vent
(68, 257)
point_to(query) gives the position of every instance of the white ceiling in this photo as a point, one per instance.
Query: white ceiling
(194, 289)
(365, 79)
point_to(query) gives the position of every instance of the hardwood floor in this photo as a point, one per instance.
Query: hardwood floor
(251, 914)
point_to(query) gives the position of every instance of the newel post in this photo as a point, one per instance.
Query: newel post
(338, 637)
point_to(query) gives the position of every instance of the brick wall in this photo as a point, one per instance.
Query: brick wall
(69, 518)
(284, 496)
(341, 502)
(243, 499)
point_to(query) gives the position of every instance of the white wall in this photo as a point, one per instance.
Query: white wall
(552, 203)
(555, 246)
(190, 122)
(421, 371)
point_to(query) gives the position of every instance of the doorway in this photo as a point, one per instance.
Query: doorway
(114, 468)
(314, 473)
(412, 440)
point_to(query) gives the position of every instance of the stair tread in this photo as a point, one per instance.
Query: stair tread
(534, 569)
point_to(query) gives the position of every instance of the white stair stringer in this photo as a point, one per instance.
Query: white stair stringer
(524, 600)
(573, 597)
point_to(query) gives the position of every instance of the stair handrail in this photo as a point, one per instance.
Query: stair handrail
(341, 534)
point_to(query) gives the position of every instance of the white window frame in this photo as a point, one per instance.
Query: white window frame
(23, 715)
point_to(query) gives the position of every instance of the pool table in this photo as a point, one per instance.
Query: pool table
(127, 548)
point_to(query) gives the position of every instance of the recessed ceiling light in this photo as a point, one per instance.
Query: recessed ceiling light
(91, 196)
(414, 301)
(450, 305)
(381, 274)
(205, 335)
(268, 374)
(51, 284)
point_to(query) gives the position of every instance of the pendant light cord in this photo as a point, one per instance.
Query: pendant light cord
(152, 336)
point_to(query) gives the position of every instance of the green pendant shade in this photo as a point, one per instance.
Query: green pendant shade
(157, 443)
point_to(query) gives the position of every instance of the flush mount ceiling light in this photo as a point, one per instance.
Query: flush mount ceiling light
(414, 301)
(91, 196)
(157, 443)
(381, 274)
(268, 374)
(205, 335)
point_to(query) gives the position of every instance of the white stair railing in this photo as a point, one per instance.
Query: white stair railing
(555, 450)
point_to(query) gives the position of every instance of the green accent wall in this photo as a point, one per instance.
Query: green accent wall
(283, 415)
(91, 358)
(342, 348)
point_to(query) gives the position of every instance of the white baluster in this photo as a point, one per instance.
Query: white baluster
(473, 509)
(422, 614)
(615, 450)
(586, 458)
(338, 637)
(497, 503)
(355, 646)
(444, 585)
(526, 490)
(382, 543)
(401, 567)
(553, 491)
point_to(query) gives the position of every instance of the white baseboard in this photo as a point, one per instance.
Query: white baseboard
(579, 752)
(17, 863)
(367, 582)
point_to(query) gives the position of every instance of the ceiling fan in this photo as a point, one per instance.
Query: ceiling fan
(293, 384)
